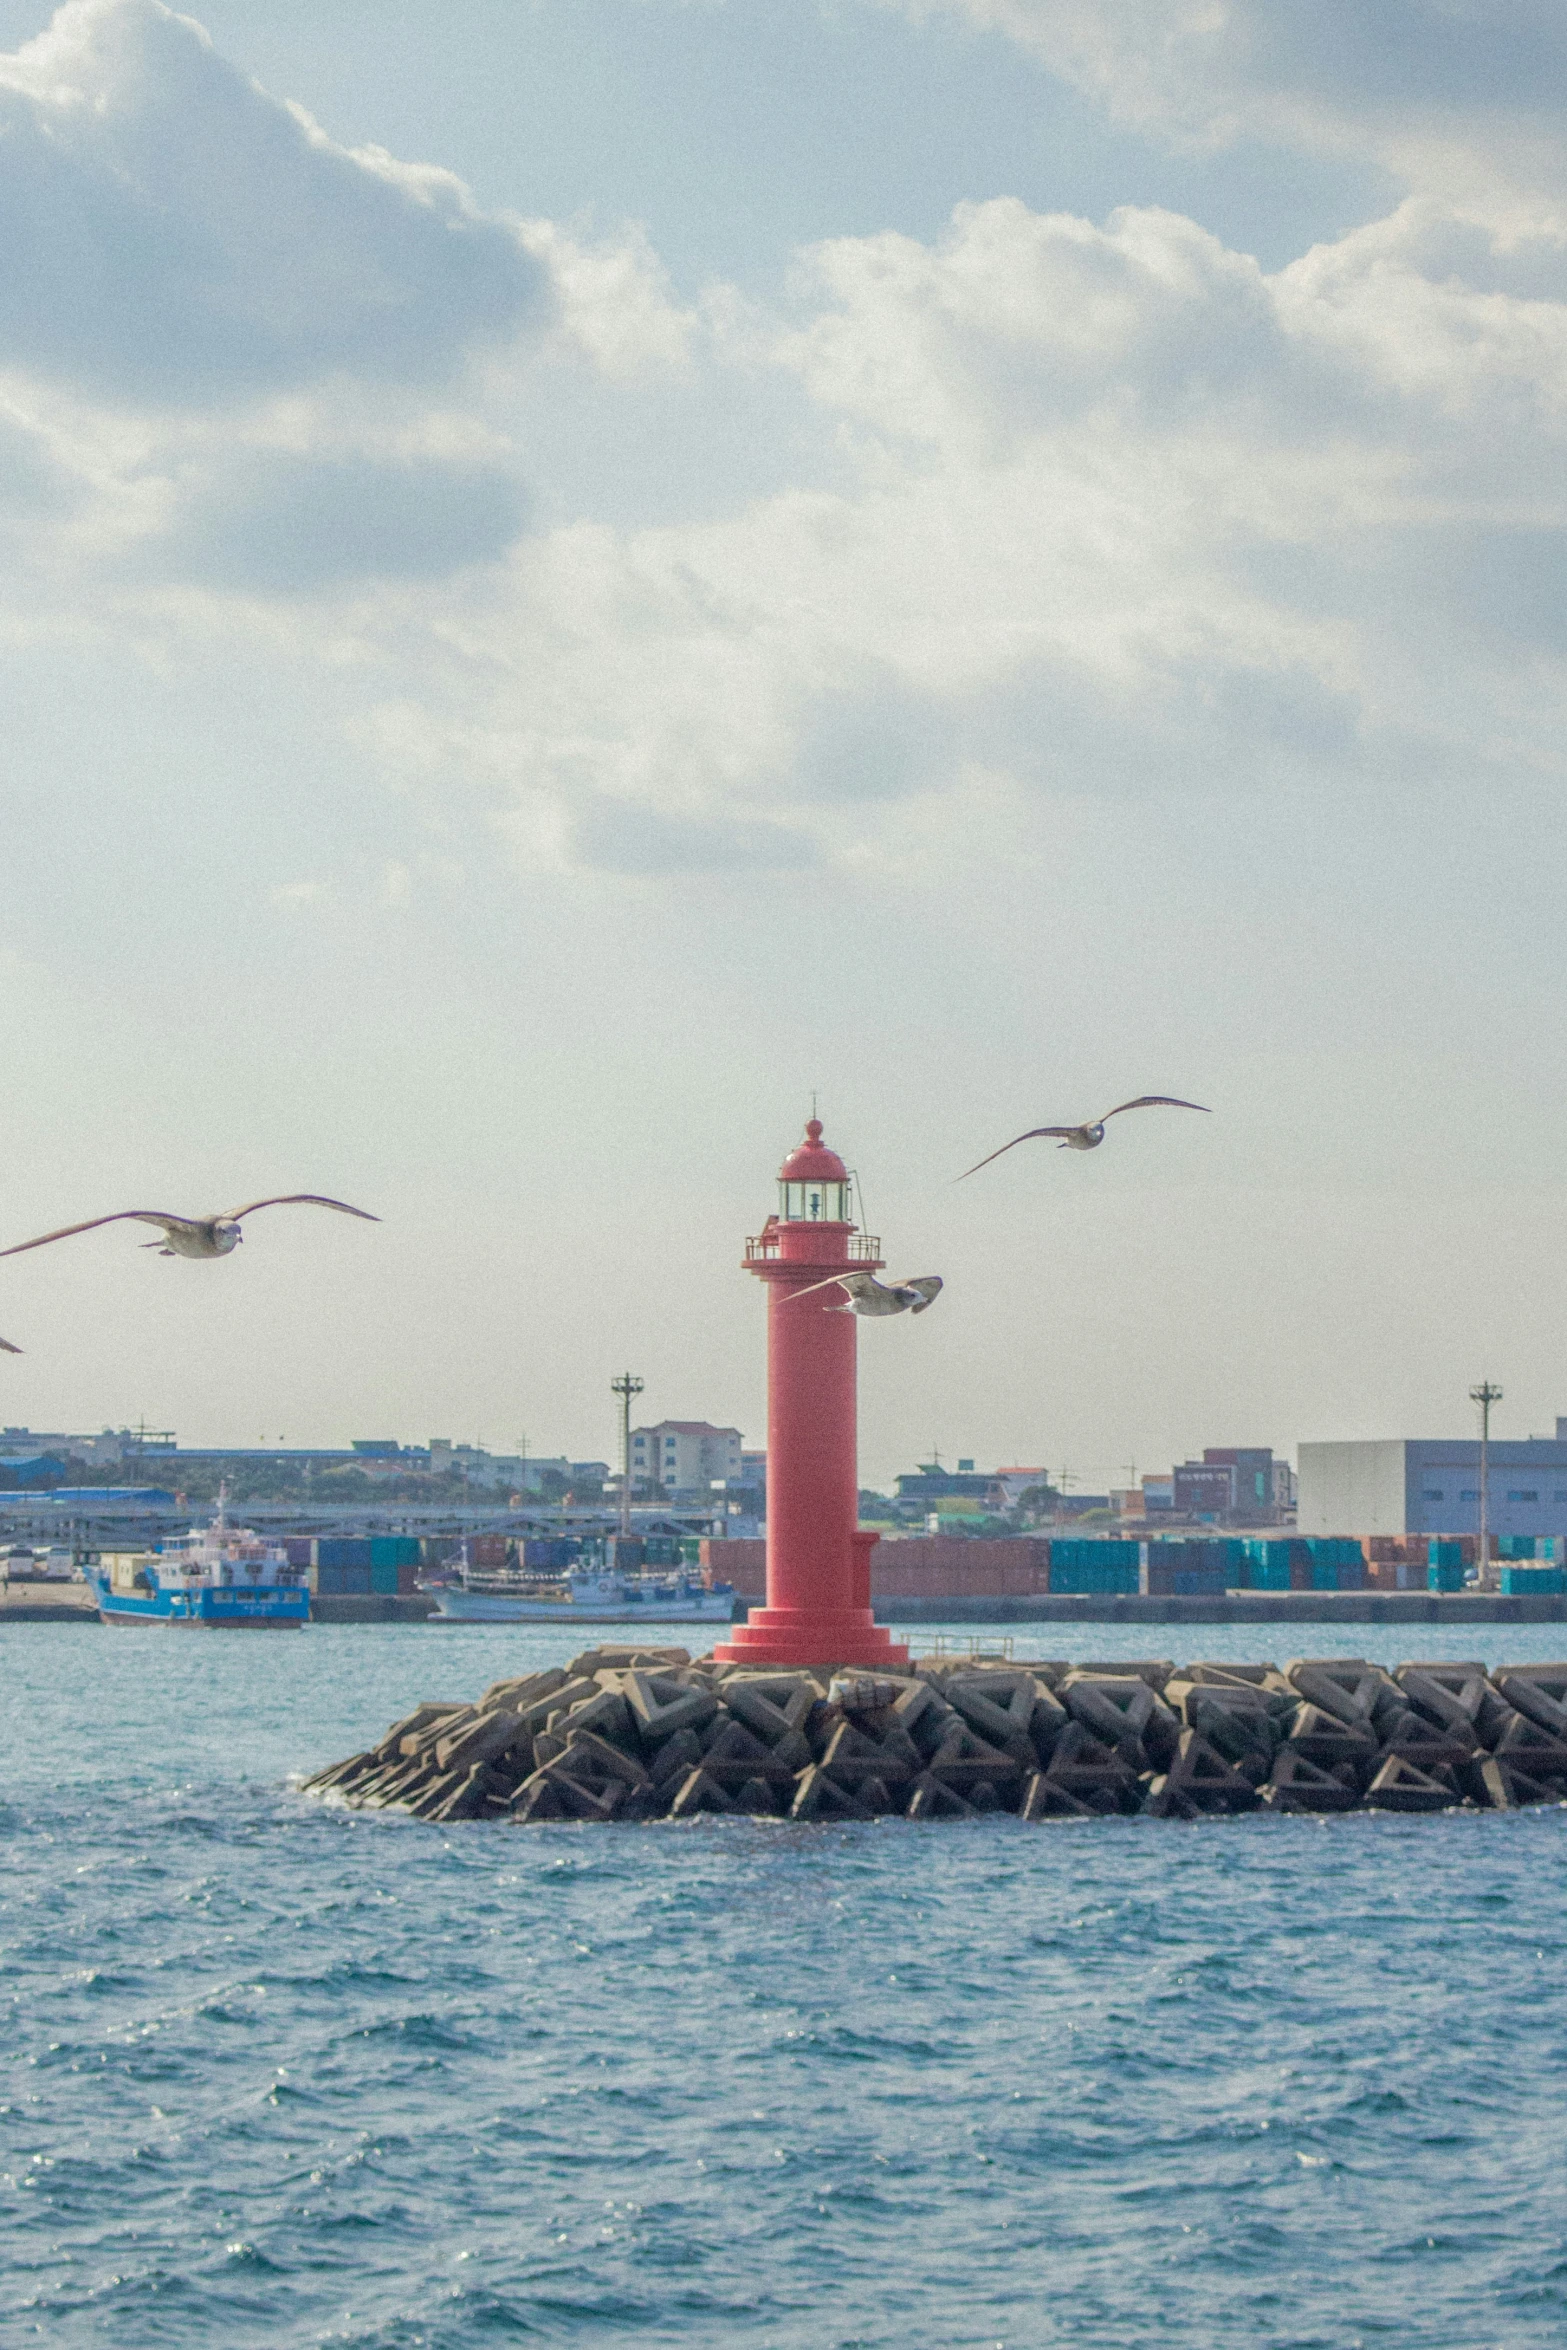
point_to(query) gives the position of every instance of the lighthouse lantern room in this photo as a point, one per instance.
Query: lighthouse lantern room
(818, 1562)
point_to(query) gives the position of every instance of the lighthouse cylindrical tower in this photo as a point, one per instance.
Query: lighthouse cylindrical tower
(818, 1563)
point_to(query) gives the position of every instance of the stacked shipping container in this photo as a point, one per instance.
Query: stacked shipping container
(354, 1566)
(1087, 1567)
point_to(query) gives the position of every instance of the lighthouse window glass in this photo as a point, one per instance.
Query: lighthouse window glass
(815, 1203)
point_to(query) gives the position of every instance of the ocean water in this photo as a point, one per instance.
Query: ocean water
(276, 2074)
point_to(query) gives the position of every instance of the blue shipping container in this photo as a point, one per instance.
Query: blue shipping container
(341, 1551)
(341, 1582)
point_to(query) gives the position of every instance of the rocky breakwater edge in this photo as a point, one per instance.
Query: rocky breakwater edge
(639, 1734)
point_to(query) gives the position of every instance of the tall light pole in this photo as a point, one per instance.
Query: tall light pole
(625, 1387)
(1485, 1395)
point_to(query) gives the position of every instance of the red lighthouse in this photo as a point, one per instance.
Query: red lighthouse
(818, 1608)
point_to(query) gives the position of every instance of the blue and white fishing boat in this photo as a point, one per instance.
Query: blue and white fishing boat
(220, 1575)
(591, 1596)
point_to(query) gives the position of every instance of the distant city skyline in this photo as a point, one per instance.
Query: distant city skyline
(579, 574)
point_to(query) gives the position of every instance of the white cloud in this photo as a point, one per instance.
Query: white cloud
(175, 236)
(1454, 96)
(237, 355)
(614, 303)
(1129, 516)
(1078, 509)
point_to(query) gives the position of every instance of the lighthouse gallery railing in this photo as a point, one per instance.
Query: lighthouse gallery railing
(864, 1248)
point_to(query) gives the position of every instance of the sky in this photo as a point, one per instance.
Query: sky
(577, 572)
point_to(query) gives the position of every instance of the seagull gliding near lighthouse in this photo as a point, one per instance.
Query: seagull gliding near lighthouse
(192, 1236)
(867, 1295)
(1087, 1138)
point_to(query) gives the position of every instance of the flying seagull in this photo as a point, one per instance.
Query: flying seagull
(1088, 1138)
(193, 1236)
(6, 1348)
(867, 1295)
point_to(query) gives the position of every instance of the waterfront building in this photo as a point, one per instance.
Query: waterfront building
(1419, 1485)
(685, 1458)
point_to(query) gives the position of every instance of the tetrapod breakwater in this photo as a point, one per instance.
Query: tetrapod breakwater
(638, 1734)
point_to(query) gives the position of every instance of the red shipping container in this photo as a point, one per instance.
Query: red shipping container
(740, 1560)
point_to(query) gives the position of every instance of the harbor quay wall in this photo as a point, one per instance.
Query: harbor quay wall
(374, 1607)
(1236, 1607)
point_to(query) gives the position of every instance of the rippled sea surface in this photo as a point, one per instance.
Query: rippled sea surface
(273, 2073)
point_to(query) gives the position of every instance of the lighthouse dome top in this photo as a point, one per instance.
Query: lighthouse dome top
(811, 1162)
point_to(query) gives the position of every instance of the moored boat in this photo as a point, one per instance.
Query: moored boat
(223, 1576)
(591, 1596)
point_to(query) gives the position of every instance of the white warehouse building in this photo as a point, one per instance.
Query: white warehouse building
(1418, 1485)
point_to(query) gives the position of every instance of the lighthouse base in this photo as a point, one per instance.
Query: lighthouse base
(805, 1636)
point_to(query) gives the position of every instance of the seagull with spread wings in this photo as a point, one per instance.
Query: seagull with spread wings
(867, 1295)
(192, 1236)
(1087, 1138)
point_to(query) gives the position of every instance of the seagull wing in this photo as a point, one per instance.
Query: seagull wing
(6, 1348)
(123, 1216)
(929, 1287)
(1156, 1101)
(857, 1285)
(300, 1199)
(1032, 1135)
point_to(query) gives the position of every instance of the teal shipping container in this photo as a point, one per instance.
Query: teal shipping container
(1099, 1569)
(1336, 1562)
(395, 1550)
(1265, 1562)
(1445, 1551)
(1444, 1578)
(1525, 1580)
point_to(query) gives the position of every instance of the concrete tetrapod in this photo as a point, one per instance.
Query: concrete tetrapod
(637, 1734)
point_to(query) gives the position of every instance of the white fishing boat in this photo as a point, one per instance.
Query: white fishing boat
(589, 1596)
